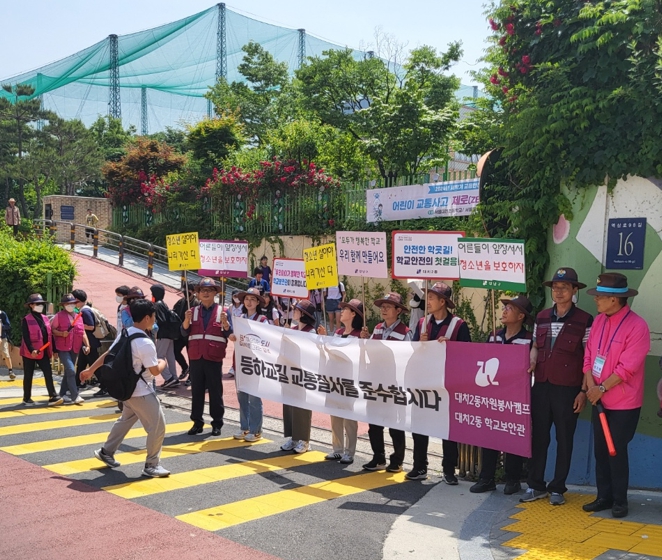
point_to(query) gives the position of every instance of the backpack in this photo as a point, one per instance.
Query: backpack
(168, 321)
(116, 373)
(6, 325)
(102, 328)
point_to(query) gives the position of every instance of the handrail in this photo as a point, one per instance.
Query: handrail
(123, 245)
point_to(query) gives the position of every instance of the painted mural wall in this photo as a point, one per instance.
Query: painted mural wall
(582, 244)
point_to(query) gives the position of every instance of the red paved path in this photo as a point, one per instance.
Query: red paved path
(99, 279)
(46, 516)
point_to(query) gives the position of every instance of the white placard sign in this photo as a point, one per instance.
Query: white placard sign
(288, 278)
(361, 253)
(426, 254)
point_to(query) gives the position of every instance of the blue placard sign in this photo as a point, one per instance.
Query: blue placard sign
(66, 212)
(625, 243)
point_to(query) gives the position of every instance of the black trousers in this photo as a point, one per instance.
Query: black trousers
(178, 345)
(449, 449)
(85, 361)
(376, 435)
(551, 405)
(28, 373)
(206, 376)
(513, 465)
(612, 474)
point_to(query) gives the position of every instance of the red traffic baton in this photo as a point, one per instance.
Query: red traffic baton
(605, 429)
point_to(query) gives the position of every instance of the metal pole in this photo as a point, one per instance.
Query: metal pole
(95, 246)
(326, 325)
(114, 102)
(144, 124)
(188, 303)
(364, 307)
(425, 311)
(121, 251)
(287, 319)
(72, 239)
(150, 261)
(222, 291)
(493, 316)
(302, 46)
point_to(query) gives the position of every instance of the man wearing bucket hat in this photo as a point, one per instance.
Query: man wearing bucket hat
(37, 349)
(516, 312)
(441, 325)
(208, 329)
(13, 216)
(615, 357)
(558, 394)
(391, 328)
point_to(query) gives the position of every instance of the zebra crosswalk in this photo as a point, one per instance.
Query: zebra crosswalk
(216, 483)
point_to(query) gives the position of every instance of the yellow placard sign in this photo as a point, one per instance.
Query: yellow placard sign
(321, 266)
(183, 251)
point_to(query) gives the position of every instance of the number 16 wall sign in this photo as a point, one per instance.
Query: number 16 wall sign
(626, 238)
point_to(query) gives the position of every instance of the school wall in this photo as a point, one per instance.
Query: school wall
(99, 206)
(581, 243)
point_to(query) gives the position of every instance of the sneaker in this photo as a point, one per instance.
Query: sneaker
(375, 465)
(512, 488)
(28, 402)
(231, 372)
(394, 467)
(156, 471)
(67, 400)
(12, 375)
(483, 485)
(302, 447)
(253, 437)
(78, 400)
(55, 401)
(450, 479)
(556, 499)
(532, 495)
(417, 474)
(171, 383)
(183, 375)
(333, 456)
(289, 445)
(101, 393)
(105, 458)
(187, 383)
(241, 434)
(346, 459)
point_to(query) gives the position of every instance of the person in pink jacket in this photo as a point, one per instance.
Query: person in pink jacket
(614, 377)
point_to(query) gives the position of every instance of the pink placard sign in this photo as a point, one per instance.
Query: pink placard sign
(223, 258)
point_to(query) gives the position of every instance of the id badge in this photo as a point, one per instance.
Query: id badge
(598, 364)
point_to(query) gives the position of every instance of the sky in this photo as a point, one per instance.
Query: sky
(37, 32)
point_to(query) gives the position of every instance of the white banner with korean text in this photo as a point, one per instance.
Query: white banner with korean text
(361, 253)
(430, 200)
(481, 397)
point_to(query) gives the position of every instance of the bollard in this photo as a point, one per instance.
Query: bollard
(72, 240)
(121, 251)
(150, 261)
(53, 229)
(95, 248)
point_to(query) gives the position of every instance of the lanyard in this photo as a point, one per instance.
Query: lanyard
(613, 335)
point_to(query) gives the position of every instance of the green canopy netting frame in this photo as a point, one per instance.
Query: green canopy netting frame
(157, 78)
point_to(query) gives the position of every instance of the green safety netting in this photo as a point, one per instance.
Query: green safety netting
(174, 64)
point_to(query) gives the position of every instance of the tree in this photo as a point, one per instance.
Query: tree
(212, 140)
(111, 136)
(402, 117)
(255, 100)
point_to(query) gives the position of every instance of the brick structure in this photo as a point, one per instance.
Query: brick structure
(73, 209)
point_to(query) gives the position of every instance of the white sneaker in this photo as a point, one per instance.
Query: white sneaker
(231, 372)
(67, 400)
(241, 434)
(346, 459)
(302, 447)
(289, 445)
(78, 400)
(156, 471)
(252, 437)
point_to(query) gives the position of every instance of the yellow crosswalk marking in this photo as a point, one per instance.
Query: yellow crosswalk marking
(178, 481)
(56, 424)
(36, 411)
(138, 456)
(18, 400)
(221, 517)
(78, 441)
(38, 382)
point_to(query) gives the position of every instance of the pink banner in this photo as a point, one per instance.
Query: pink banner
(489, 390)
(228, 259)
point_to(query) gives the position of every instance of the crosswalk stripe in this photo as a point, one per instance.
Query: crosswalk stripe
(138, 456)
(178, 481)
(38, 382)
(235, 513)
(17, 400)
(78, 441)
(56, 424)
(29, 411)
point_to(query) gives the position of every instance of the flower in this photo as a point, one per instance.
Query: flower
(494, 79)
(526, 59)
(510, 29)
(523, 69)
(494, 25)
(504, 89)
(503, 40)
(502, 72)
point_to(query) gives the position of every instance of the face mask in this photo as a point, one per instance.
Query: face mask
(119, 299)
(236, 301)
(38, 308)
(70, 308)
(155, 328)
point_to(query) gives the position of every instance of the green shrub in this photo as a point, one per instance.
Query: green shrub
(27, 267)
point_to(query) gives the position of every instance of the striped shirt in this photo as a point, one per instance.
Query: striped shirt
(558, 322)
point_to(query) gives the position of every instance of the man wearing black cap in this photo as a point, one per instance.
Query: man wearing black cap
(558, 394)
(440, 325)
(515, 313)
(614, 365)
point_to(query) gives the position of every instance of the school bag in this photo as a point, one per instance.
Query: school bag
(116, 373)
(102, 327)
(168, 321)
